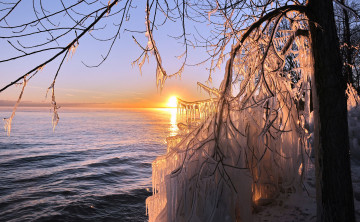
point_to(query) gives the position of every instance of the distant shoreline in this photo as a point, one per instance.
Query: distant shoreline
(69, 108)
(8, 104)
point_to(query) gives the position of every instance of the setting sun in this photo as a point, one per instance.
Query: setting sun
(172, 102)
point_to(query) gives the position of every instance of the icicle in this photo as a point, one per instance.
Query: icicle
(8, 121)
(72, 49)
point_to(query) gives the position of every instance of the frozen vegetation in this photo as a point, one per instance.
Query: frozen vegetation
(200, 197)
(245, 154)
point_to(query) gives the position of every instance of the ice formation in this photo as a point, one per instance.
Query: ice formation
(196, 111)
(353, 98)
(251, 144)
(8, 121)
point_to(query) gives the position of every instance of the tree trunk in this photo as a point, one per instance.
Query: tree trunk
(334, 194)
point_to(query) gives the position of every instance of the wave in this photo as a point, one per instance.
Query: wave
(115, 207)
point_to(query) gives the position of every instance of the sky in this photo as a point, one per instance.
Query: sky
(116, 83)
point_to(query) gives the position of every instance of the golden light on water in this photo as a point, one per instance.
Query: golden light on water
(171, 109)
(173, 127)
(172, 114)
(172, 102)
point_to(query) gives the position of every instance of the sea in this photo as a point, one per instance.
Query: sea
(95, 165)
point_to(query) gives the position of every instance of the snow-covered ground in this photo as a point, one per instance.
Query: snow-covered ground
(302, 206)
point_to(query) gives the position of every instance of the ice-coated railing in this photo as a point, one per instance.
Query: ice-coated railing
(195, 111)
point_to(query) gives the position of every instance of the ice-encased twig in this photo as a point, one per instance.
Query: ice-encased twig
(8, 121)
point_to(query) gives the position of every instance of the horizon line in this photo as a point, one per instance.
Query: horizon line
(31, 104)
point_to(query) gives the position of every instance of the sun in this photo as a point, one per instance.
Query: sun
(172, 102)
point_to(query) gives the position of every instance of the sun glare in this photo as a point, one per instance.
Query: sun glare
(172, 102)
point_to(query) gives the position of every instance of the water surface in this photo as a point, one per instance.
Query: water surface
(96, 166)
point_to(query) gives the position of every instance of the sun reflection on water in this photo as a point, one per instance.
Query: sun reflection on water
(173, 124)
(173, 119)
